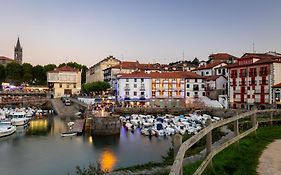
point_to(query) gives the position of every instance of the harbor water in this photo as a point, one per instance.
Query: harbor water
(39, 149)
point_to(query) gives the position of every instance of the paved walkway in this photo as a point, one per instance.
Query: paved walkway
(270, 160)
(63, 110)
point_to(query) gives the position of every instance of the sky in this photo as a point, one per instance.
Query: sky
(150, 31)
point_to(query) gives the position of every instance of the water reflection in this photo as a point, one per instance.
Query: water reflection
(107, 160)
(39, 127)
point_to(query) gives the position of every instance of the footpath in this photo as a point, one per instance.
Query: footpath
(270, 160)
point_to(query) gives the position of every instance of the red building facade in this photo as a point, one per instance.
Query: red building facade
(251, 80)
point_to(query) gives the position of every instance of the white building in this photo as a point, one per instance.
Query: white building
(134, 89)
(215, 68)
(216, 85)
(95, 73)
(162, 89)
(64, 81)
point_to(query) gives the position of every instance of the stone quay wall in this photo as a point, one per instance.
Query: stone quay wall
(108, 125)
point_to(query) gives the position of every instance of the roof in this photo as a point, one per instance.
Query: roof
(138, 66)
(65, 69)
(277, 85)
(221, 56)
(5, 58)
(181, 74)
(208, 66)
(213, 77)
(262, 59)
(126, 65)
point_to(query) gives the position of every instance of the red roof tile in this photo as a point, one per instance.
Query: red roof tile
(277, 85)
(221, 56)
(181, 74)
(65, 69)
(5, 58)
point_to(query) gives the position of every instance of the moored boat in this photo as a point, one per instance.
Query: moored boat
(68, 134)
(19, 118)
(6, 130)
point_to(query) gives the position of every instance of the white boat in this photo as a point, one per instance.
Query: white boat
(19, 118)
(68, 134)
(6, 130)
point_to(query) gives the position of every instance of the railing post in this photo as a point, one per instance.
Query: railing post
(209, 140)
(177, 144)
(236, 132)
(271, 118)
(254, 119)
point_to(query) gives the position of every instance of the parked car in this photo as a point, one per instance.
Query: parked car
(67, 102)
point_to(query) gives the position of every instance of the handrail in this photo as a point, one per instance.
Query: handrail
(176, 168)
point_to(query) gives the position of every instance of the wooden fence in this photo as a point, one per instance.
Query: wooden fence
(207, 131)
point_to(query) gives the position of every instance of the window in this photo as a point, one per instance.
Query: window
(195, 80)
(135, 93)
(207, 73)
(187, 94)
(74, 85)
(60, 85)
(178, 93)
(202, 86)
(127, 93)
(203, 94)
(135, 85)
(67, 86)
(170, 94)
(161, 92)
(195, 93)
(153, 93)
(127, 80)
(142, 80)
(219, 70)
(135, 80)
(142, 93)
(187, 85)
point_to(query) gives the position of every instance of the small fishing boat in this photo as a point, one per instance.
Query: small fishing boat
(68, 134)
(6, 130)
(19, 118)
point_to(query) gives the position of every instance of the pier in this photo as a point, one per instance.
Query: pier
(78, 126)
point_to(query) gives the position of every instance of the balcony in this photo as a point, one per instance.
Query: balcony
(127, 88)
(257, 100)
(263, 73)
(244, 74)
(142, 88)
(142, 97)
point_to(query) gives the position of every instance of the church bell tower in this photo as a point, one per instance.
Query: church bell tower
(18, 52)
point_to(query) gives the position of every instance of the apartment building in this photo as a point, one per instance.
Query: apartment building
(161, 89)
(64, 81)
(95, 73)
(252, 78)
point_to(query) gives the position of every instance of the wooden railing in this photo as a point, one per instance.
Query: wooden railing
(207, 131)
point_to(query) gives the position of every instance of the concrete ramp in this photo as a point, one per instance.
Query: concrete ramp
(63, 110)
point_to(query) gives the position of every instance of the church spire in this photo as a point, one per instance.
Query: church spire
(18, 52)
(18, 46)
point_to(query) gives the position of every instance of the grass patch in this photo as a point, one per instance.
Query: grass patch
(245, 159)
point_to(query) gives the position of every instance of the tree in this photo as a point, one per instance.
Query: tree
(2, 73)
(80, 67)
(195, 61)
(40, 77)
(14, 73)
(27, 72)
(96, 87)
(49, 67)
